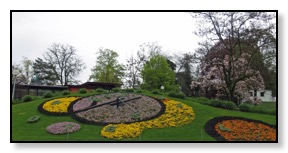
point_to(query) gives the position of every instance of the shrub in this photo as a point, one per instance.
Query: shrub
(37, 97)
(208, 102)
(27, 98)
(56, 94)
(156, 91)
(177, 95)
(203, 99)
(256, 109)
(216, 103)
(244, 108)
(129, 90)
(65, 92)
(272, 112)
(47, 94)
(229, 105)
(180, 95)
(100, 90)
(139, 91)
(16, 101)
(220, 104)
(116, 89)
(82, 90)
(171, 94)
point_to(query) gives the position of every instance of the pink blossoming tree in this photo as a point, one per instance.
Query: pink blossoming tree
(227, 53)
(233, 81)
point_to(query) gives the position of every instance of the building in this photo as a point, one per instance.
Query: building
(38, 90)
(265, 95)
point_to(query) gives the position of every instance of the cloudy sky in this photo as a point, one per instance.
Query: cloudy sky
(123, 32)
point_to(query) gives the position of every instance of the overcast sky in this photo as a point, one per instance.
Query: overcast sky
(123, 32)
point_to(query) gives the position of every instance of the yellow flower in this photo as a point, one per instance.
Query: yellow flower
(59, 105)
(176, 114)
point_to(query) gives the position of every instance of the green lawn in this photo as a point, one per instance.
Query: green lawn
(23, 131)
(268, 105)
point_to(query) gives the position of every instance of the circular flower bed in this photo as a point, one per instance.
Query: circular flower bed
(57, 106)
(229, 128)
(33, 119)
(106, 111)
(63, 128)
(176, 114)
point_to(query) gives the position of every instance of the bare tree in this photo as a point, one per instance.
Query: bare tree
(64, 63)
(22, 71)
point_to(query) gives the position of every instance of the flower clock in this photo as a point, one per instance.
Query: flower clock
(122, 115)
(176, 114)
(228, 128)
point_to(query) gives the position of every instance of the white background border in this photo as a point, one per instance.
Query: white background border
(7, 5)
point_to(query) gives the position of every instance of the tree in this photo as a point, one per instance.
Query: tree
(136, 64)
(107, 68)
(61, 65)
(23, 71)
(43, 73)
(184, 73)
(231, 72)
(132, 73)
(146, 51)
(157, 73)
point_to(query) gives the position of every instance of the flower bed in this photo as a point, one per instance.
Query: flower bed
(141, 109)
(228, 128)
(176, 114)
(57, 106)
(63, 128)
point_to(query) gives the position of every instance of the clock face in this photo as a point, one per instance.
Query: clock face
(116, 108)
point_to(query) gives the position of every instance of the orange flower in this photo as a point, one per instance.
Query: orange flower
(245, 131)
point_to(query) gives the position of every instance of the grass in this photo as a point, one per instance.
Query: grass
(268, 105)
(23, 131)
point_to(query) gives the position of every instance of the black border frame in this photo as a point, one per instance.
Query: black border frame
(277, 106)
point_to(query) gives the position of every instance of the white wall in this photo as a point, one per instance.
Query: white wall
(267, 96)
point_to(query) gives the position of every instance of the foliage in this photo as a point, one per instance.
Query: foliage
(47, 94)
(116, 89)
(129, 90)
(184, 72)
(53, 71)
(217, 75)
(27, 98)
(43, 73)
(256, 109)
(177, 95)
(132, 72)
(65, 92)
(107, 68)
(156, 91)
(139, 91)
(220, 104)
(100, 90)
(83, 90)
(22, 72)
(157, 73)
(226, 56)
